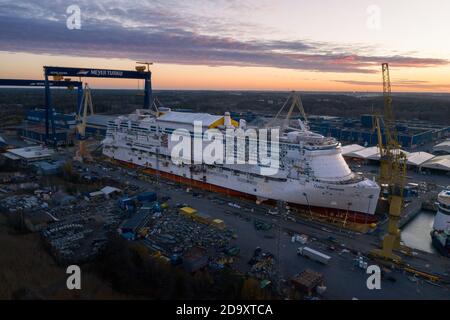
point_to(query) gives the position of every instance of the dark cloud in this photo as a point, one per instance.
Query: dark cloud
(115, 30)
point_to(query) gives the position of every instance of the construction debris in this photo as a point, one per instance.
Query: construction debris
(174, 233)
(260, 225)
(262, 265)
(307, 281)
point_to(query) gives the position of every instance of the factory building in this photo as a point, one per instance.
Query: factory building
(439, 163)
(443, 147)
(414, 160)
(96, 124)
(36, 133)
(28, 155)
(352, 131)
(3, 142)
(33, 127)
(362, 131)
(37, 116)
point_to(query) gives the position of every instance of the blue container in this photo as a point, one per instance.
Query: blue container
(367, 120)
(147, 196)
(125, 202)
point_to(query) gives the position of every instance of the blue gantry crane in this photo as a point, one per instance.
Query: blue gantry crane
(67, 83)
(58, 73)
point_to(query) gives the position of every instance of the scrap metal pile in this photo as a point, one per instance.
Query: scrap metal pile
(262, 265)
(173, 233)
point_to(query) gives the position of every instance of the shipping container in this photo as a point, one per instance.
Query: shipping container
(313, 255)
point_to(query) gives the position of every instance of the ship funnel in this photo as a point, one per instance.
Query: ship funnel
(227, 120)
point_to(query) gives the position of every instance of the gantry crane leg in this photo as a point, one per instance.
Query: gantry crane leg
(82, 154)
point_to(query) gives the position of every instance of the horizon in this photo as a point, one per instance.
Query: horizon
(237, 90)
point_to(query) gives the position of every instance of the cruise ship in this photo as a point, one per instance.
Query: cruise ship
(312, 174)
(440, 233)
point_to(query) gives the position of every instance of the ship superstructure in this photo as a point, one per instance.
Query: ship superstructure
(312, 172)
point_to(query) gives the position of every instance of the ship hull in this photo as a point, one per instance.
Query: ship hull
(316, 194)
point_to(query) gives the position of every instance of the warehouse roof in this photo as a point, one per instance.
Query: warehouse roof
(438, 163)
(99, 119)
(364, 153)
(189, 118)
(376, 156)
(351, 148)
(11, 156)
(443, 146)
(108, 190)
(30, 153)
(418, 158)
(48, 167)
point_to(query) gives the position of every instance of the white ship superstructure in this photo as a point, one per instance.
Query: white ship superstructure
(441, 225)
(442, 218)
(312, 171)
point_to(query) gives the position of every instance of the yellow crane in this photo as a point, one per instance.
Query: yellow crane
(82, 153)
(296, 101)
(392, 173)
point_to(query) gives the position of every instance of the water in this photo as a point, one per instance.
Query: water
(416, 234)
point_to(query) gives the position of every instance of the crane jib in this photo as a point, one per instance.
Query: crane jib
(100, 73)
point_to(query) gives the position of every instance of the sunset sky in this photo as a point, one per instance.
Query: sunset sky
(332, 45)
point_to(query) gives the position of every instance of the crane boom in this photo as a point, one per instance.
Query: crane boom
(296, 101)
(392, 173)
(82, 153)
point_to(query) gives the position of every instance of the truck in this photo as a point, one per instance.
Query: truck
(313, 255)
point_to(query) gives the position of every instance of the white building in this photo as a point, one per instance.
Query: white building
(443, 147)
(29, 154)
(438, 163)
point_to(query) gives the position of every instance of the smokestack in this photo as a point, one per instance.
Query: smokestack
(227, 120)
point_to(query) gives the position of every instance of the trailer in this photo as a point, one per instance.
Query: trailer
(313, 255)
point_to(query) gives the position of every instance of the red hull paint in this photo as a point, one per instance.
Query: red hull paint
(327, 213)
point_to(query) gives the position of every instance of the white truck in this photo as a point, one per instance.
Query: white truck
(313, 255)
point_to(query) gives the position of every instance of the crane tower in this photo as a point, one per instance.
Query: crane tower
(392, 173)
